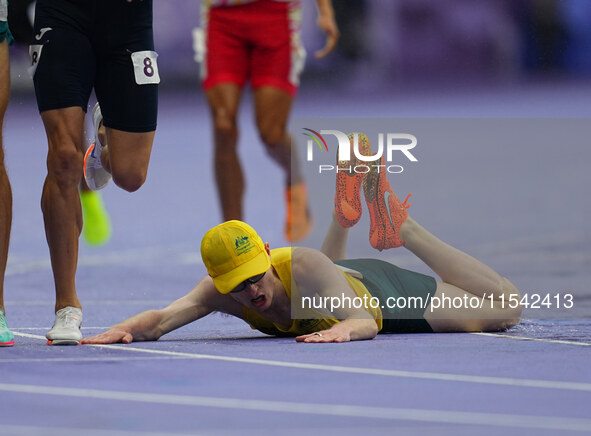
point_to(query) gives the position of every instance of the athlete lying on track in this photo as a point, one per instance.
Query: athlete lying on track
(314, 295)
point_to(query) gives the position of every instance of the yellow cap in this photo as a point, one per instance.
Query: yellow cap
(233, 252)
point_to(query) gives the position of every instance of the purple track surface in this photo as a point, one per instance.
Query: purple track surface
(218, 377)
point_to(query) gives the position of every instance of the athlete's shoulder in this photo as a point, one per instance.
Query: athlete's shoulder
(304, 260)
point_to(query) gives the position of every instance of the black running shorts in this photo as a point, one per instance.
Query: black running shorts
(108, 45)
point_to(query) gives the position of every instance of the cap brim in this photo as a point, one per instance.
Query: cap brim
(226, 282)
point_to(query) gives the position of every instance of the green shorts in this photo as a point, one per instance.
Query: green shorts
(404, 295)
(5, 33)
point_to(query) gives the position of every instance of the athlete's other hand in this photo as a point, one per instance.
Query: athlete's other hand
(328, 25)
(111, 336)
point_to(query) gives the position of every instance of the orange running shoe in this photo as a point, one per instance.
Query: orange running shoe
(386, 212)
(299, 220)
(347, 200)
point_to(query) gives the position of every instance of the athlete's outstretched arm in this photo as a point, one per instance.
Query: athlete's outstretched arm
(152, 324)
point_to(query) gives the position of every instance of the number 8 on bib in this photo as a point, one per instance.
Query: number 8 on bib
(145, 67)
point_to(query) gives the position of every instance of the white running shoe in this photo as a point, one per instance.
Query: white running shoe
(94, 173)
(66, 328)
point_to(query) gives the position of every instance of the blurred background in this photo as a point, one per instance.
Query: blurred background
(394, 42)
(499, 92)
(518, 203)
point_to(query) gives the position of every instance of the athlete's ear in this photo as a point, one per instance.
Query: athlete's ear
(267, 249)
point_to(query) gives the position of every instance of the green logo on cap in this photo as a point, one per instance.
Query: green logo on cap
(242, 245)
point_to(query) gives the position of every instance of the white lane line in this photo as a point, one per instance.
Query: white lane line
(524, 338)
(389, 413)
(18, 329)
(117, 258)
(27, 267)
(51, 303)
(504, 381)
(76, 359)
(28, 430)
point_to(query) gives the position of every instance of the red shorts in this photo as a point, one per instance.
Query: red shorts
(257, 41)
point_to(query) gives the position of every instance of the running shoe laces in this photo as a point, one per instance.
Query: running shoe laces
(68, 317)
(405, 203)
(66, 328)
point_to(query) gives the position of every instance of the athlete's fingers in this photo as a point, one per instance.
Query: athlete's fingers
(331, 42)
(302, 338)
(332, 36)
(322, 339)
(127, 339)
(98, 339)
(109, 337)
(315, 339)
(323, 336)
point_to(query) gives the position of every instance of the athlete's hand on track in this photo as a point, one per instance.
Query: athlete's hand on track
(324, 336)
(111, 336)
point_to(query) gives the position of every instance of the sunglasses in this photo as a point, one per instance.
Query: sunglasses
(251, 280)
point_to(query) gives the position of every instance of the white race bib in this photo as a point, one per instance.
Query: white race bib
(3, 10)
(35, 54)
(145, 67)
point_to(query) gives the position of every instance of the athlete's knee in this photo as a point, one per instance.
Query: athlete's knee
(64, 165)
(512, 295)
(511, 319)
(273, 136)
(130, 180)
(224, 124)
(507, 310)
